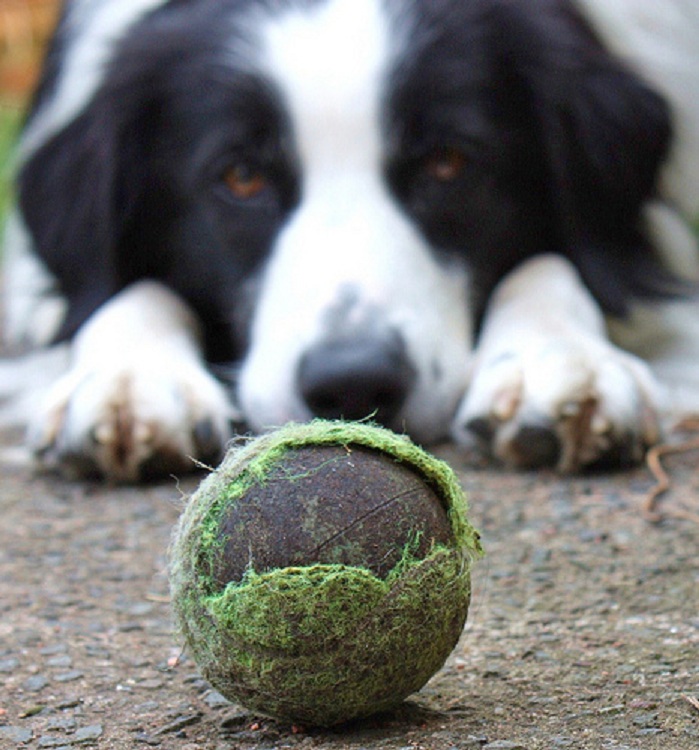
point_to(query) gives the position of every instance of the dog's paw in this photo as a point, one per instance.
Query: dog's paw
(131, 424)
(562, 404)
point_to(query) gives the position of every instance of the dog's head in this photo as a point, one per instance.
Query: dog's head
(336, 186)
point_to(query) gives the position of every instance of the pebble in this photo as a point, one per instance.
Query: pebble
(16, 734)
(611, 710)
(68, 703)
(64, 724)
(74, 674)
(177, 724)
(470, 743)
(646, 719)
(56, 648)
(48, 741)
(236, 719)
(62, 660)
(83, 735)
(88, 733)
(35, 683)
(150, 684)
(214, 699)
(147, 739)
(8, 665)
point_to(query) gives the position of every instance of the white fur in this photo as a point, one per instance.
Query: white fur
(136, 387)
(33, 308)
(544, 360)
(348, 234)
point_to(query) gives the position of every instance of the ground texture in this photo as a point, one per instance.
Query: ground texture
(583, 631)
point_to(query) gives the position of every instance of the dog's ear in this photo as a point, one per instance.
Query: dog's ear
(67, 196)
(603, 134)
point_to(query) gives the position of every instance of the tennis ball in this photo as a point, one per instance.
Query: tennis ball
(322, 572)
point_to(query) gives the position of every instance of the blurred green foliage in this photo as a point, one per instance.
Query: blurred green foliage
(9, 124)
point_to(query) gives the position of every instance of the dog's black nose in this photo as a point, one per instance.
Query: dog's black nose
(354, 378)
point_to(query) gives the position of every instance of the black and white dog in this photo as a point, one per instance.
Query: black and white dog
(420, 210)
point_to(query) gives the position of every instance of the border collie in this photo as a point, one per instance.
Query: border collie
(456, 217)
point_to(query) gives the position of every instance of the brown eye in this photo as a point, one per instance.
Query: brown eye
(244, 181)
(445, 165)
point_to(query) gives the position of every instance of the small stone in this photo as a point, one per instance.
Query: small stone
(8, 665)
(179, 723)
(214, 699)
(140, 608)
(35, 683)
(148, 739)
(87, 734)
(646, 719)
(611, 710)
(56, 648)
(62, 660)
(62, 723)
(17, 735)
(69, 676)
(151, 684)
(68, 703)
(53, 742)
(130, 627)
(236, 719)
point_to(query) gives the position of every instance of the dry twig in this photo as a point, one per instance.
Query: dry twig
(662, 479)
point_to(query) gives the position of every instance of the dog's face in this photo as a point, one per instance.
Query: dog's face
(407, 168)
(357, 313)
(336, 186)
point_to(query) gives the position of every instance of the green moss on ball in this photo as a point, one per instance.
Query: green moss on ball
(322, 573)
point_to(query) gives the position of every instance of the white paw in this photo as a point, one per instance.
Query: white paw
(563, 403)
(131, 423)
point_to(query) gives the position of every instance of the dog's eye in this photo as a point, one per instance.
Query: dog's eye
(244, 181)
(445, 165)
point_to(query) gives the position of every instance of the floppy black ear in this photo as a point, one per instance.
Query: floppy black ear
(603, 134)
(66, 193)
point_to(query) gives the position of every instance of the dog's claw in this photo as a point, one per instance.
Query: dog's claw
(606, 417)
(126, 427)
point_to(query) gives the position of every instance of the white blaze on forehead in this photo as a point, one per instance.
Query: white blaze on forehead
(330, 61)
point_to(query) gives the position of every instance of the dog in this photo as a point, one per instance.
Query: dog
(459, 218)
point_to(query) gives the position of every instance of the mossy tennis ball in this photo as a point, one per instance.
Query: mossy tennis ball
(322, 572)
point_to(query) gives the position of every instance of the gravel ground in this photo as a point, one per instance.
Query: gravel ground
(583, 632)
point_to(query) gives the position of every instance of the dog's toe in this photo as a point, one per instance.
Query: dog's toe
(130, 426)
(569, 409)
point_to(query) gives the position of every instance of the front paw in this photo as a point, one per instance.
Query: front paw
(131, 424)
(561, 404)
